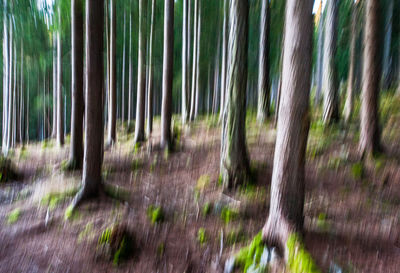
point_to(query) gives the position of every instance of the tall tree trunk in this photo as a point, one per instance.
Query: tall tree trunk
(198, 33)
(387, 58)
(330, 81)
(263, 64)
(112, 107)
(60, 108)
(93, 156)
(10, 84)
(320, 56)
(141, 86)
(4, 146)
(370, 135)
(287, 185)
(185, 62)
(150, 76)
(130, 71)
(194, 69)
(21, 97)
(349, 104)
(168, 63)
(76, 148)
(123, 72)
(234, 157)
(225, 32)
(54, 129)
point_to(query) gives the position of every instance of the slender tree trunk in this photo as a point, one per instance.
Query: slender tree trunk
(21, 97)
(112, 107)
(10, 84)
(150, 76)
(320, 57)
(234, 157)
(76, 148)
(123, 72)
(93, 156)
(185, 63)
(168, 63)
(225, 32)
(60, 124)
(141, 86)
(198, 33)
(349, 104)
(287, 185)
(330, 81)
(6, 72)
(194, 69)
(54, 129)
(130, 71)
(263, 64)
(387, 59)
(370, 135)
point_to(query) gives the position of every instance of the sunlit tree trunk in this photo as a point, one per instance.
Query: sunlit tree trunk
(6, 72)
(348, 107)
(287, 184)
(112, 92)
(123, 71)
(234, 157)
(93, 156)
(10, 85)
(141, 85)
(225, 32)
(76, 148)
(130, 71)
(21, 97)
(330, 81)
(370, 135)
(60, 108)
(54, 124)
(185, 62)
(150, 76)
(194, 68)
(320, 57)
(198, 33)
(168, 63)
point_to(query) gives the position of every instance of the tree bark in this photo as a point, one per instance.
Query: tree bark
(123, 72)
(130, 71)
(141, 86)
(60, 120)
(349, 104)
(234, 157)
(330, 81)
(287, 185)
(370, 135)
(54, 129)
(198, 33)
(387, 59)
(112, 107)
(168, 63)
(76, 147)
(150, 76)
(93, 156)
(4, 146)
(194, 69)
(225, 32)
(263, 64)
(185, 62)
(320, 57)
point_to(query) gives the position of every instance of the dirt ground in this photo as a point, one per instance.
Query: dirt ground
(351, 215)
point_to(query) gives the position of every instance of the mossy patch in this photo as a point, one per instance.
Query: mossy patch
(251, 254)
(206, 210)
(201, 236)
(228, 214)
(53, 199)
(299, 259)
(202, 182)
(13, 216)
(357, 170)
(116, 192)
(155, 214)
(70, 213)
(87, 232)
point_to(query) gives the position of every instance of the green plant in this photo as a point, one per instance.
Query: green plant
(227, 215)
(250, 254)
(155, 214)
(13, 216)
(202, 182)
(299, 259)
(206, 209)
(201, 236)
(357, 170)
(53, 199)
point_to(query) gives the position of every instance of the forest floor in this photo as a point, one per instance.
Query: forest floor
(352, 209)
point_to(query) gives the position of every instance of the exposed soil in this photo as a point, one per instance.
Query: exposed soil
(350, 222)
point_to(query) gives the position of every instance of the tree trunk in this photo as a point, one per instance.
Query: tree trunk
(198, 33)
(287, 185)
(349, 104)
(234, 157)
(194, 68)
(141, 86)
(330, 82)
(263, 64)
(150, 76)
(123, 72)
(130, 71)
(6, 71)
(370, 135)
(320, 57)
(54, 129)
(168, 63)
(112, 107)
(225, 32)
(76, 148)
(387, 59)
(93, 156)
(60, 108)
(185, 62)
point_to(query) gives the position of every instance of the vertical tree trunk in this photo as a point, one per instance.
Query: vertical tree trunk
(387, 59)
(76, 148)
(198, 33)
(185, 63)
(225, 32)
(54, 129)
(123, 72)
(194, 69)
(60, 120)
(4, 147)
(93, 156)
(21, 97)
(349, 104)
(130, 71)
(150, 76)
(320, 55)
(370, 135)
(234, 157)
(168, 63)
(287, 185)
(141, 96)
(263, 64)
(330, 81)
(112, 107)
(10, 84)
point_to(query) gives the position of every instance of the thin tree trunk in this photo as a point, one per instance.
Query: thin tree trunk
(287, 185)
(130, 71)
(168, 63)
(370, 135)
(349, 104)
(194, 69)
(263, 64)
(6, 72)
(150, 76)
(185, 63)
(198, 33)
(387, 59)
(225, 33)
(60, 108)
(123, 72)
(320, 57)
(234, 157)
(54, 129)
(141, 86)
(76, 148)
(93, 156)
(330, 81)
(112, 107)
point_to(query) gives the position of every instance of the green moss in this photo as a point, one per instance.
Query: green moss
(13, 216)
(88, 230)
(136, 164)
(70, 213)
(357, 170)
(201, 236)
(160, 249)
(155, 214)
(53, 199)
(206, 209)
(119, 243)
(299, 260)
(220, 180)
(47, 144)
(235, 236)
(227, 215)
(166, 154)
(116, 192)
(136, 148)
(321, 222)
(250, 254)
(202, 182)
